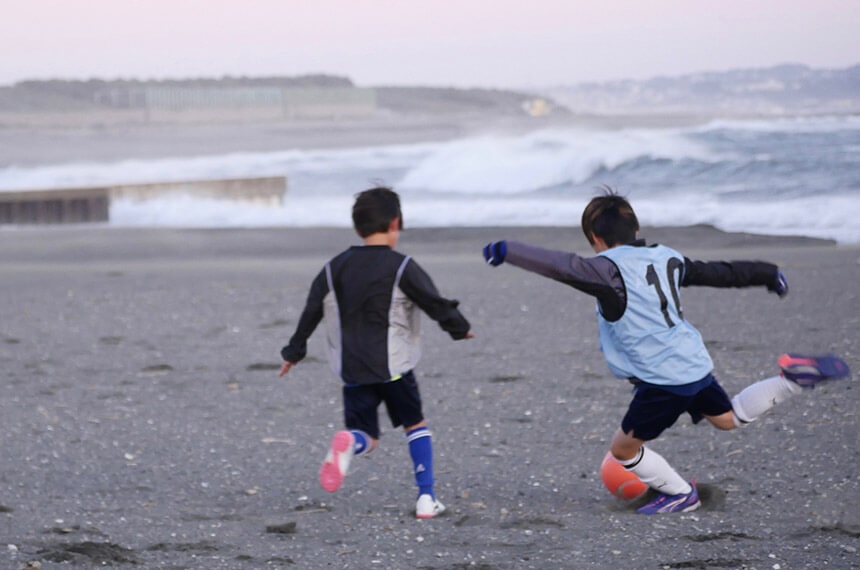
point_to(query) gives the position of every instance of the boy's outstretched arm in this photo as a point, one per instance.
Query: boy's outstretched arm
(734, 274)
(597, 276)
(297, 348)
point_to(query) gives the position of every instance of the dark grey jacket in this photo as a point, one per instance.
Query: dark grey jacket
(372, 319)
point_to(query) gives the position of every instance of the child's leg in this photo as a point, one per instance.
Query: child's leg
(363, 442)
(651, 412)
(404, 408)
(421, 450)
(651, 468)
(361, 435)
(403, 402)
(757, 398)
(420, 442)
(798, 372)
(361, 418)
(344, 445)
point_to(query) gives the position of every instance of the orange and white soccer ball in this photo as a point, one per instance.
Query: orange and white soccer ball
(620, 482)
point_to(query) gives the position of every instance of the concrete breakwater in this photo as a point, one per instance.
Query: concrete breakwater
(92, 204)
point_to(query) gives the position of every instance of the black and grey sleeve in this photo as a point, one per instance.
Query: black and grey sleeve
(418, 286)
(728, 273)
(597, 276)
(311, 317)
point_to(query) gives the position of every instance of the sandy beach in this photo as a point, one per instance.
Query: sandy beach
(143, 423)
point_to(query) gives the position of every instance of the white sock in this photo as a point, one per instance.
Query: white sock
(757, 398)
(656, 472)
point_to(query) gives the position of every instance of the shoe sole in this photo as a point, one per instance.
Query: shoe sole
(331, 476)
(809, 370)
(430, 516)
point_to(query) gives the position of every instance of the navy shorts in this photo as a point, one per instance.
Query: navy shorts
(654, 409)
(402, 401)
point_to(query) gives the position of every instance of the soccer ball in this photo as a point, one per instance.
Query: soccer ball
(620, 482)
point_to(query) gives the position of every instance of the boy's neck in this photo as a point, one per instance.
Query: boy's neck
(382, 238)
(389, 237)
(599, 246)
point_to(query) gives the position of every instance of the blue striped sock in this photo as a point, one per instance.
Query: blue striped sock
(421, 450)
(362, 441)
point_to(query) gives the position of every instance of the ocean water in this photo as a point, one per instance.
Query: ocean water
(788, 176)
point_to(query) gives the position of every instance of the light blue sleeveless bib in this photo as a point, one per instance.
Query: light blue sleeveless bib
(652, 341)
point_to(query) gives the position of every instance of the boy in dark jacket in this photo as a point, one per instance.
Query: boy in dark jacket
(370, 296)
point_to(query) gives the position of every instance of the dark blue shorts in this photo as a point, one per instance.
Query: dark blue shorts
(402, 401)
(654, 409)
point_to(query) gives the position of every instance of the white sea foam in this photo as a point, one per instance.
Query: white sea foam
(236, 165)
(187, 211)
(801, 216)
(835, 217)
(483, 165)
(544, 159)
(673, 177)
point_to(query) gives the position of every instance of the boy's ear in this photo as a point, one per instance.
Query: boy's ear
(394, 226)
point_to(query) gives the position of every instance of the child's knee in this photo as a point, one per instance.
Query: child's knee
(725, 422)
(420, 424)
(624, 447)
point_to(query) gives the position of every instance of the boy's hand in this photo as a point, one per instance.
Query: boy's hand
(780, 285)
(495, 252)
(286, 368)
(469, 335)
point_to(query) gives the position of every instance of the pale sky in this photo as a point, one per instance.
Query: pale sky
(466, 43)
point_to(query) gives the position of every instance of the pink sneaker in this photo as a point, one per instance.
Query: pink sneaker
(336, 463)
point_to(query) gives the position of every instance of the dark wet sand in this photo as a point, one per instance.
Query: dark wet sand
(143, 423)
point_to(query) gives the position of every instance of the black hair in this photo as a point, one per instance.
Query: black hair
(611, 218)
(374, 210)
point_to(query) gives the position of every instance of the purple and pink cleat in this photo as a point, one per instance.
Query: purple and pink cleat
(664, 503)
(807, 371)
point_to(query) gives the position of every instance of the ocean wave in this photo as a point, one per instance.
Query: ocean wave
(234, 165)
(779, 177)
(544, 159)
